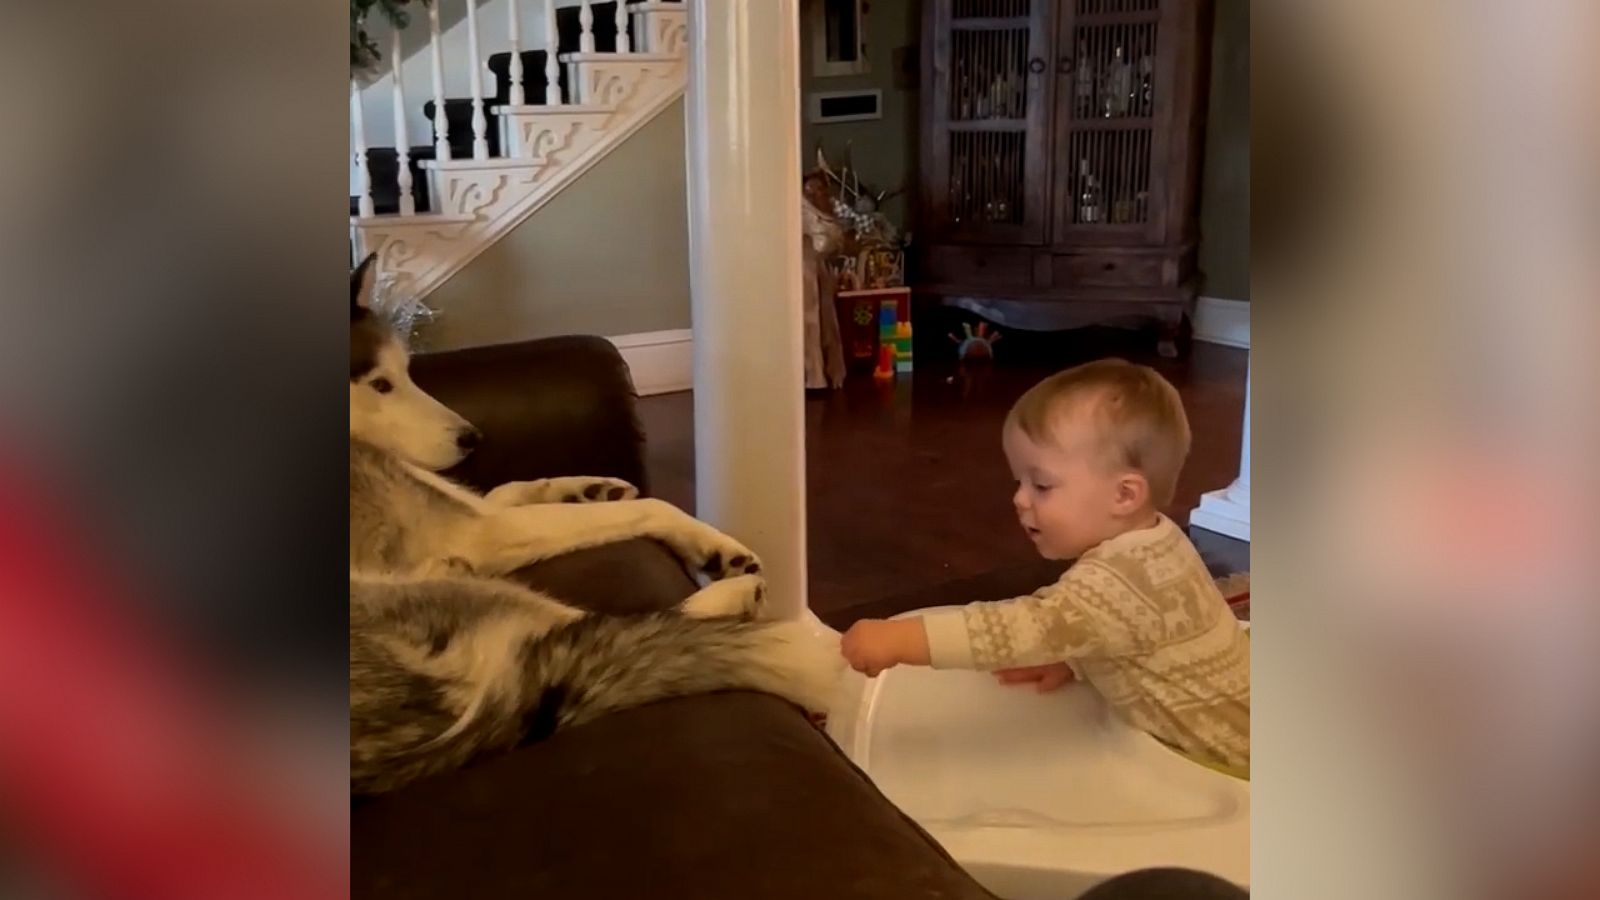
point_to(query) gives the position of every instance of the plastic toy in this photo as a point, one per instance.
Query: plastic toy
(977, 345)
(895, 332)
(886, 363)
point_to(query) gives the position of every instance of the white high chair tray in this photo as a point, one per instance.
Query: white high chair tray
(1038, 795)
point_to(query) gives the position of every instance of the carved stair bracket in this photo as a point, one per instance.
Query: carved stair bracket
(547, 137)
(607, 79)
(661, 27)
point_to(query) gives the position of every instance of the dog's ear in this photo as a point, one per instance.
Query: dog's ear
(361, 287)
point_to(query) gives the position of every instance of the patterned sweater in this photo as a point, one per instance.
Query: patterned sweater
(1140, 619)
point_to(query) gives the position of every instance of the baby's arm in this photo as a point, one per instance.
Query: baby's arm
(1055, 623)
(872, 645)
(1058, 623)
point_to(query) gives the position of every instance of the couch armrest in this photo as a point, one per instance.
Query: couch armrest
(726, 796)
(550, 407)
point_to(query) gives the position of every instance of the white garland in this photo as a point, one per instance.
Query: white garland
(406, 312)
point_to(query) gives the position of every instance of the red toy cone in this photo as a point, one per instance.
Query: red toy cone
(885, 367)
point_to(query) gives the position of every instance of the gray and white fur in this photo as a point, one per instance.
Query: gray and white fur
(449, 662)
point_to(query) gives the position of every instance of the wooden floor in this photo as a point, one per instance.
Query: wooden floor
(909, 495)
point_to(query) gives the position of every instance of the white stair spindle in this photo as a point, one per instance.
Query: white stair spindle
(441, 125)
(518, 96)
(480, 122)
(624, 45)
(585, 28)
(402, 142)
(364, 206)
(552, 68)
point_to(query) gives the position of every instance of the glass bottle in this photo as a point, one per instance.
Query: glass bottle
(1083, 83)
(1119, 85)
(1089, 199)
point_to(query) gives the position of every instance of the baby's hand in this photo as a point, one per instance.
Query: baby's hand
(1046, 678)
(872, 645)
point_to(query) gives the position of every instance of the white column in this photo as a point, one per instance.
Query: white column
(743, 121)
(441, 126)
(585, 28)
(552, 67)
(1228, 511)
(358, 140)
(514, 32)
(402, 140)
(480, 122)
(624, 44)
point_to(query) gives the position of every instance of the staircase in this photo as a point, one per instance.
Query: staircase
(427, 211)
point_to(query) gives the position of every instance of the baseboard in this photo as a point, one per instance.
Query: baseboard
(1219, 321)
(1226, 511)
(661, 361)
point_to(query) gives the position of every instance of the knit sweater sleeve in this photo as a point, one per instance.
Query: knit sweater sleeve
(1074, 618)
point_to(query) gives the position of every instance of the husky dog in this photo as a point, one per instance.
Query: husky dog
(449, 662)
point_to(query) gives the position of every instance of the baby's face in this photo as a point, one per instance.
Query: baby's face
(1064, 499)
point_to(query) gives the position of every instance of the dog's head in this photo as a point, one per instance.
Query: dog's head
(387, 409)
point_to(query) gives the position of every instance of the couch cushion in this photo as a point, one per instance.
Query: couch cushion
(638, 575)
(731, 795)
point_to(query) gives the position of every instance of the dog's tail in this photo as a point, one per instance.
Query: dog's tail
(515, 689)
(601, 664)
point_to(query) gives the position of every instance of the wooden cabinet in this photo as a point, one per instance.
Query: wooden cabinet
(1061, 151)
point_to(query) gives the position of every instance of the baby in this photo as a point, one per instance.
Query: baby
(1096, 452)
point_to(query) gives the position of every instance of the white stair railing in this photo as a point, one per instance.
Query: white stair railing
(358, 139)
(519, 97)
(476, 198)
(516, 87)
(552, 67)
(621, 19)
(402, 141)
(480, 122)
(585, 28)
(441, 123)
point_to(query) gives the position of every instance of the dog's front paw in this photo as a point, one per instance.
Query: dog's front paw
(576, 489)
(728, 559)
(596, 490)
(741, 595)
(709, 554)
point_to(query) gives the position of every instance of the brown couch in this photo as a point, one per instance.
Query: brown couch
(732, 795)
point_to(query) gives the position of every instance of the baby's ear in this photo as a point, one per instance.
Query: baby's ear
(1133, 492)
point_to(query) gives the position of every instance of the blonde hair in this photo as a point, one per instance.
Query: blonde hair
(1138, 417)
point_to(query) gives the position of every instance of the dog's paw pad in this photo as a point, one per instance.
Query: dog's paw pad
(592, 491)
(738, 562)
(616, 493)
(753, 568)
(713, 565)
(571, 498)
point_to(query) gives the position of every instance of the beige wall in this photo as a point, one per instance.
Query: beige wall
(884, 150)
(609, 255)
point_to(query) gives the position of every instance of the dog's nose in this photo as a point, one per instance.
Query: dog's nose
(468, 438)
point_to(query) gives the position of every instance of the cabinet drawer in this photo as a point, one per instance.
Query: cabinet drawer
(978, 266)
(1107, 271)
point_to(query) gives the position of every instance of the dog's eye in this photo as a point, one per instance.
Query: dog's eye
(381, 385)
